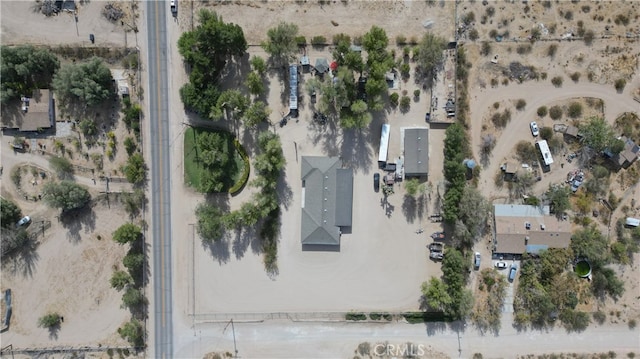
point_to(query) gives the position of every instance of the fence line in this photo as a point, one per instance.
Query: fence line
(9, 349)
(294, 317)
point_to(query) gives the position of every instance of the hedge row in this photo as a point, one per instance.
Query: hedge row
(238, 186)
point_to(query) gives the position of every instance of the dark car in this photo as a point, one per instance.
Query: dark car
(376, 182)
(92, 38)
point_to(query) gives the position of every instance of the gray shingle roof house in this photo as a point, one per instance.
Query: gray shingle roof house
(327, 200)
(416, 152)
(34, 113)
(523, 229)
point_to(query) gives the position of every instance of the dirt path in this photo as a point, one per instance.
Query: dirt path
(536, 95)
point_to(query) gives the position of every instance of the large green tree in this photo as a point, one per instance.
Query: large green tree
(597, 133)
(62, 166)
(589, 243)
(281, 42)
(11, 213)
(473, 213)
(207, 49)
(65, 195)
(209, 222)
(135, 170)
(133, 332)
(430, 56)
(436, 294)
(127, 233)
(559, 198)
(24, 69)
(257, 113)
(88, 83)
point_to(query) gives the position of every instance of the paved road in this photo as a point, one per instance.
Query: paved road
(160, 178)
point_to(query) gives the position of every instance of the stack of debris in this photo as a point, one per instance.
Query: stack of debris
(112, 12)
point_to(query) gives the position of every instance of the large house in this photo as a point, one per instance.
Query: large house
(33, 113)
(327, 200)
(627, 156)
(520, 229)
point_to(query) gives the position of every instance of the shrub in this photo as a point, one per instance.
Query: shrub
(555, 112)
(318, 41)
(394, 98)
(301, 40)
(130, 145)
(473, 35)
(341, 37)
(356, 316)
(245, 171)
(542, 111)
(575, 110)
(552, 49)
(620, 84)
(416, 93)
(557, 81)
(546, 133)
(401, 40)
(50, 320)
(589, 35)
(405, 69)
(575, 77)
(520, 104)
(485, 50)
(405, 103)
(496, 105)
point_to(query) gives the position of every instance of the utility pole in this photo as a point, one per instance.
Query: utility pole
(233, 329)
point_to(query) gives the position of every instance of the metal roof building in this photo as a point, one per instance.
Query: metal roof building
(416, 151)
(293, 87)
(528, 229)
(327, 200)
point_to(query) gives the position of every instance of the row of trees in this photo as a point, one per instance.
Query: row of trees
(455, 147)
(131, 282)
(449, 294)
(24, 69)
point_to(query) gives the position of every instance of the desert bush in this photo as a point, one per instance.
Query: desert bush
(568, 15)
(301, 40)
(485, 49)
(575, 110)
(405, 103)
(520, 104)
(523, 49)
(416, 93)
(496, 105)
(542, 111)
(401, 40)
(575, 77)
(620, 84)
(473, 35)
(50, 320)
(394, 99)
(318, 40)
(621, 19)
(555, 112)
(588, 37)
(557, 81)
(355, 316)
(546, 133)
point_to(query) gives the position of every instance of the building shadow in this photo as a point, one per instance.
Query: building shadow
(320, 248)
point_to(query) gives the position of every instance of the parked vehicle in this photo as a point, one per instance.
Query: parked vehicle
(476, 261)
(376, 182)
(438, 235)
(512, 272)
(534, 129)
(23, 222)
(436, 255)
(501, 265)
(174, 8)
(436, 247)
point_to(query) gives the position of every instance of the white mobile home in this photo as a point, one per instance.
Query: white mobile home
(384, 143)
(545, 152)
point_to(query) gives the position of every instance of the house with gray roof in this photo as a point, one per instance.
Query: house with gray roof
(30, 114)
(520, 229)
(416, 152)
(327, 200)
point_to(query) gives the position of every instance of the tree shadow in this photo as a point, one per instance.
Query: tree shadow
(326, 134)
(388, 207)
(74, 220)
(285, 194)
(409, 208)
(53, 331)
(219, 250)
(24, 259)
(355, 150)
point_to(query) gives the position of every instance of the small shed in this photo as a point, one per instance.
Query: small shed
(571, 131)
(322, 65)
(510, 170)
(306, 66)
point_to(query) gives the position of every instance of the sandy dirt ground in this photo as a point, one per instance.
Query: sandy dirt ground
(22, 25)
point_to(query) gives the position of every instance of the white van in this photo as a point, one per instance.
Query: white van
(632, 222)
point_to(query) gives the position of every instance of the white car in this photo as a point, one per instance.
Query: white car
(501, 265)
(534, 129)
(476, 261)
(24, 221)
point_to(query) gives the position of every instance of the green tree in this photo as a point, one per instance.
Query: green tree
(209, 222)
(120, 279)
(65, 195)
(405, 103)
(596, 133)
(62, 167)
(258, 65)
(134, 262)
(50, 320)
(430, 56)
(11, 213)
(555, 112)
(130, 145)
(255, 84)
(375, 42)
(559, 198)
(414, 187)
(542, 111)
(546, 133)
(207, 50)
(127, 233)
(605, 281)
(213, 149)
(589, 243)
(233, 102)
(133, 298)
(474, 211)
(88, 83)
(257, 113)
(357, 117)
(436, 294)
(575, 110)
(135, 170)
(281, 43)
(24, 69)
(133, 332)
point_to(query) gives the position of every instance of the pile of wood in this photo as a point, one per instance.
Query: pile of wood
(112, 12)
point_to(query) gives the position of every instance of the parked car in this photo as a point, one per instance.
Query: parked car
(476, 261)
(436, 247)
(23, 222)
(436, 255)
(534, 129)
(376, 182)
(501, 265)
(438, 235)
(512, 272)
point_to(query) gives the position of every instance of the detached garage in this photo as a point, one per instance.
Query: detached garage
(416, 152)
